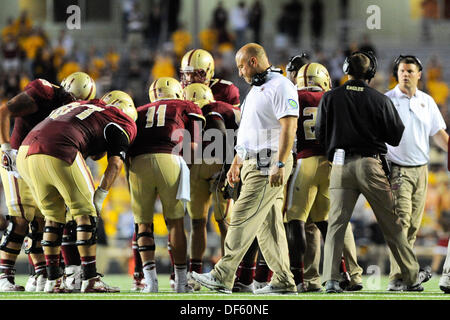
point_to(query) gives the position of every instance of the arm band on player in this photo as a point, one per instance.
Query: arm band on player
(117, 141)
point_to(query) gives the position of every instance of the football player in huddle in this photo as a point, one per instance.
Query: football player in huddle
(307, 193)
(197, 66)
(51, 160)
(157, 167)
(28, 108)
(207, 176)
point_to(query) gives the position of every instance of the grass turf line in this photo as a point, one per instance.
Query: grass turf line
(373, 290)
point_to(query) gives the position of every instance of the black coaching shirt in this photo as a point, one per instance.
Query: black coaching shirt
(358, 119)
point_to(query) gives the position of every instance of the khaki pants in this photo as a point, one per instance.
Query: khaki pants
(257, 212)
(364, 175)
(409, 185)
(311, 276)
(311, 260)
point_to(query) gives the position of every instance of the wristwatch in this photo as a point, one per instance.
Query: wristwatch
(280, 164)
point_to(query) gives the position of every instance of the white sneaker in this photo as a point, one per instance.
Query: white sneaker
(31, 284)
(150, 286)
(96, 284)
(36, 283)
(191, 282)
(55, 286)
(270, 289)
(444, 283)
(40, 282)
(7, 283)
(396, 285)
(73, 278)
(259, 285)
(240, 287)
(210, 282)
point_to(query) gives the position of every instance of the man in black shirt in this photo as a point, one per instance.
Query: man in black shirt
(354, 123)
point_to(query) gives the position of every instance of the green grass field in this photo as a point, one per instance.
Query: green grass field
(373, 290)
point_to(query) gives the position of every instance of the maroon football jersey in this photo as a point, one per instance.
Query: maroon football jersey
(77, 127)
(307, 143)
(44, 94)
(225, 91)
(157, 124)
(223, 111)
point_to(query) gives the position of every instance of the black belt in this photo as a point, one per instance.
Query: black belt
(401, 165)
(362, 154)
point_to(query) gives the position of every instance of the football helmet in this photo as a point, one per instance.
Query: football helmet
(165, 88)
(80, 85)
(313, 75)
(198, 93)
(197, 65)
(122, 101)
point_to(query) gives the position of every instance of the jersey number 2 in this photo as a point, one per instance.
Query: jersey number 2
(309, 123)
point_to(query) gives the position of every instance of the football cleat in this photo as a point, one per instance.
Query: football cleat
(444, 283)
(80, 85)
(138, 282)
(56, 286)
(165, 88)
(36, 282)
(96, 284)
(7, 283)
(73, 278)
(150, 287)
(313, 75)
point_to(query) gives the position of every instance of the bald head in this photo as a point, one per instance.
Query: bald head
(250, 60)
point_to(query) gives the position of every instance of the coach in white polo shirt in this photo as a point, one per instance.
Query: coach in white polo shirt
(269, 122)
(409, 160)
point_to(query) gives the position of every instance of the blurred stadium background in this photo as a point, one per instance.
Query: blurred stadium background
(125, 44)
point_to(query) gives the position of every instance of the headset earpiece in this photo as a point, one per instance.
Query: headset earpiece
(260, 78)
(373, 64)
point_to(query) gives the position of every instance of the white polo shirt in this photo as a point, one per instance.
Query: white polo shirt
(422, 119)
(262, 108)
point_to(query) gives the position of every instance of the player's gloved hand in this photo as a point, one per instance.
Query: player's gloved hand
(99, 196)
(9, 158)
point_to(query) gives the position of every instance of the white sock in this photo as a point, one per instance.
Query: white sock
(149, 269)
(181, 274)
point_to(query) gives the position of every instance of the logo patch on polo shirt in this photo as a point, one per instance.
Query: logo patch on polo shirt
(293, 103)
